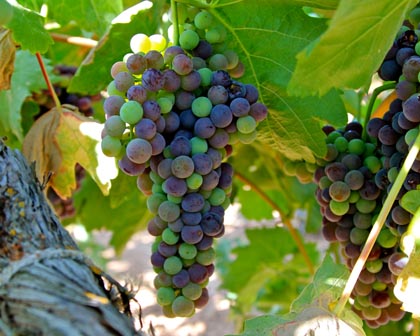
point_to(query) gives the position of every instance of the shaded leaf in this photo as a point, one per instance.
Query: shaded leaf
(94, 73)
(292, 126)
(92, 16)
(352, 49)
(28, 29)
(411, 201)
(7, 58)
(96, 212)
(26, 78)
(40, 146)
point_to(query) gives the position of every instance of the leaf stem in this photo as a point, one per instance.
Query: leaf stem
(174, 9)
(48, 81)
(376, 229)
(372, 100)
(76, 40)
(285, 220)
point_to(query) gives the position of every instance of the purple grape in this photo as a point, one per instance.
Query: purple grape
(181, 279)
(192, 234)
(218, 94)
(151, 110)
(152, 79)
(211, 223)
(192, 202)
(131, 168)
(180, 146)
(171, 81)
(198, 273)
(145, 129)
(221, 115)
(175, 186)
(191, 218)
(203, 164)
(167, 250)
(204, 128)
(137, 93)
(171, 122)
(188, 119)
(191, 81)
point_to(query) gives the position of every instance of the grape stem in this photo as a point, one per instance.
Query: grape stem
(174, 9)
(75, 40)
(285, 219)
(376, 229)
(372, 100)
(48, 81)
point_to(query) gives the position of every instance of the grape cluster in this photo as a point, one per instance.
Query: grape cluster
(172, 116)
(350, 201)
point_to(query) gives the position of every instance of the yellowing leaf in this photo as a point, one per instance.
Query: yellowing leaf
(39, 145)
(7, 58)
(57, 141)
(78, 143)
(408, 284)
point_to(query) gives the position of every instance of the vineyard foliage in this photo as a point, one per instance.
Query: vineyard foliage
(314, 64)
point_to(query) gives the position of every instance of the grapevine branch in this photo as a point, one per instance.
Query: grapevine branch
(75, 40)
(376, 229)
(175, 25)
(48, 81)
(284, 218)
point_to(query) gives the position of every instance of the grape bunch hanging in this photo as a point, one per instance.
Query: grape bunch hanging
(172, 116)
(357, 174)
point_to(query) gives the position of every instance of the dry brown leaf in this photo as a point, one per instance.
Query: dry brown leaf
(40, 146)
(7, 58)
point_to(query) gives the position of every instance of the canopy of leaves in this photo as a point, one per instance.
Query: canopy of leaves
(352, 49)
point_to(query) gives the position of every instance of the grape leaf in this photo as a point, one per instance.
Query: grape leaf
(411, 201)
(59, 140)
(92, 16)
(26, 78)
(267, 35)
(7, 58)
(95, 211)
(78, 144)
(407, 287)
(310, 314)
(94, 73)
(263, 260)
(28, 30)
(353, 47)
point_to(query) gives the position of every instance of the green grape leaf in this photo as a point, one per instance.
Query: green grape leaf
(352, 49)
(26, 78)
(94, 73)
(28, 30)
(92, 16)
(94, 211)
(263, 261)
(267, 36)
(411, 201)
(310, 313)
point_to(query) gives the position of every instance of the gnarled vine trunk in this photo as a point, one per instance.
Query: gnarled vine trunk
(47, 285)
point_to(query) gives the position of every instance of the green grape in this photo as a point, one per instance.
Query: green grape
(379, 286)
(165, 296)
(198, 145)
(354, 196)
(392, 174)
(194, 181)
(111, 146)
(339, 208)
(114, 126)
(172, 265)
(324, 182)
(356, 146)
(201, 106)
(131, 112)
(332, 137)
(174, 199)
(365, 206)
(170, 237)
(206, 257)
(157, 188)
(232, 59)
(246, 124)
(187, 251)
(216, 34)
(205, 74)
(341, 144)
(165, 104)
(218, 62)
(203, 20)
(358, 236)
(411, 136)
(371, 313)
(217, 196)
(182, 306)
(374, 266)
(248, 137)
(188, 39)
(339, 191)
(386, 239)
(373, 163)
(192, 291)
